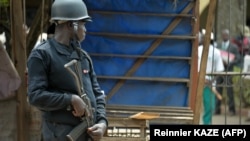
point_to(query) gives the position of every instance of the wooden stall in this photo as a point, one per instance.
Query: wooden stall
(129, 119)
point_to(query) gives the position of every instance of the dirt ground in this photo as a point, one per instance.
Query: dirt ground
(242, 117)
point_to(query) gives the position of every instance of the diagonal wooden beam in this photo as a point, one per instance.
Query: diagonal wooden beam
(149, 51)
(203, 64)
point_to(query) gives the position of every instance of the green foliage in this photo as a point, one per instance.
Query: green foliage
(4, 3)
(245, 95)
(241, 89)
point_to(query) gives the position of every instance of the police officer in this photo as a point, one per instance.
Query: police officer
(52, 89)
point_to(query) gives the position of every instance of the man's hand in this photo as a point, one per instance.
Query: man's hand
(79, 107)
(217, 94)
(97, 131)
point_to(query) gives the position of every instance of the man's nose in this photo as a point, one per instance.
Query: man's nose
(84, 28)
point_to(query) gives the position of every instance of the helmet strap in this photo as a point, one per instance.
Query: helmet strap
(75, 42)
(75, 27)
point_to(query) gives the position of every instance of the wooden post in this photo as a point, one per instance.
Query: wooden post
(203, 65)
(35, 29)
(18, 36)
(194, 63)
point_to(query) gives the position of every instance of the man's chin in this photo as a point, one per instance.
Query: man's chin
(83, 38)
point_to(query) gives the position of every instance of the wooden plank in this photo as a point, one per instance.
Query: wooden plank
(144, 36)
(201, 78)
(144, 123)
(159, 79)
(155, 44)
(140, 56)
(18, 36)
(172, 120)
(139, 13)
(145, 115)
(120, 113)
(228, 73)
(194, 61)
(148, 108)
(126, 122)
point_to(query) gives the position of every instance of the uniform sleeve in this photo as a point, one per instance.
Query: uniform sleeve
(38, 91)
(98, 92)
(100, 98)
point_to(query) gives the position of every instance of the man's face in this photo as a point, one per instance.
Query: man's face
(225, 37)
(81, 30)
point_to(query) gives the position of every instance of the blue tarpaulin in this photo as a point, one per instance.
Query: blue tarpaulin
(137, 92)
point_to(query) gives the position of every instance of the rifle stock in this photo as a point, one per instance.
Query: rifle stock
(77, 131)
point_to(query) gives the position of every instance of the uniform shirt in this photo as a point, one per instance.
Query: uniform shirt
(51, 85)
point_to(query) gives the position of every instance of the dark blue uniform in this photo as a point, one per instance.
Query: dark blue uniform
(50, 87)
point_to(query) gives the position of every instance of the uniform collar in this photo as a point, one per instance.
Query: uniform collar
(68, 51)
(62, 49)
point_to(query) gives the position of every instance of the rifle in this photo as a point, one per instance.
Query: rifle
(87, 120)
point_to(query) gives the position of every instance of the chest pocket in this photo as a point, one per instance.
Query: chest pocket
(85, 67)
